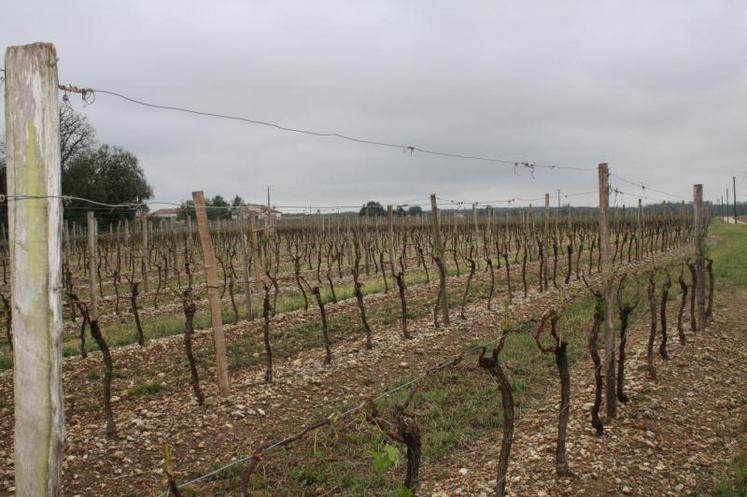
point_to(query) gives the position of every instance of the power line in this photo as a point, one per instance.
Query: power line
(89, 96)
(644, 187)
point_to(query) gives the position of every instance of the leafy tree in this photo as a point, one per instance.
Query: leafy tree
(77, 136)
(236, 204)
(372, 208)
(400, 211)
(217, 208)
(105, 174)
(109, 175)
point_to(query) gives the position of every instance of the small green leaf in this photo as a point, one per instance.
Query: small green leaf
(386, 458)
(393, 454)
(403, 492)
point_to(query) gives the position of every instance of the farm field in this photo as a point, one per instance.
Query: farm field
(457, 409)
(382, 249)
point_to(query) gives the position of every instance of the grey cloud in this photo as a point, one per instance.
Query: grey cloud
(658, 90)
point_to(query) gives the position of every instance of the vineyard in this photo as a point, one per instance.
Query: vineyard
(457, 350)
(342, 318)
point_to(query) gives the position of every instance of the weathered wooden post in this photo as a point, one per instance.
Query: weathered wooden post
(245, 259)
(477, 236)
(700, 318)
(216, 313)
(146, 262)
(33, 162)
(390, 217)
(256, 262)
(438, 246)
(545, 240)
(93, 265)
(604, 251)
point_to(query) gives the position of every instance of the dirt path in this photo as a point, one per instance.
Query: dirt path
(670, 438)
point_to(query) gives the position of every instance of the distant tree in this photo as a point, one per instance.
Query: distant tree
(187, 209)
(104, 174)
(236, 203)
(400, 211)
(77, 136)
(415, 210)
(372, 208)
(110, 175)
(219, 208)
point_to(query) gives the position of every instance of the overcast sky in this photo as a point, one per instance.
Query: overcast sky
(656, 89)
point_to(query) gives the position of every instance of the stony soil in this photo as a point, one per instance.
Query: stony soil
(671, 437)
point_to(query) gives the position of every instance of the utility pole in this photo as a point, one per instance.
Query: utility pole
(734, 192)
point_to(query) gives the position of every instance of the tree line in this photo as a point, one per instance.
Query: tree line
(97, 171)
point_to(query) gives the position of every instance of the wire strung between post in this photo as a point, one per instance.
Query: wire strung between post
(644, 187)
(89, 96)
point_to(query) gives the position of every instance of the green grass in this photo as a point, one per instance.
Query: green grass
(728, 248)
(152, 388)
(453, 408)
(164, 325)
(733, 483)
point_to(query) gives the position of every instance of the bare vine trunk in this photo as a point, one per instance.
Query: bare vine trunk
(681, 312)
(189, 313)
(266, 334)
(325, 330)
(493, 366)
(472, 267)
(599, 310)
(663, 315)
(400, 278)
(111, 429)
(652, 332)
(134, 292)
(491, 289)
(561, 360)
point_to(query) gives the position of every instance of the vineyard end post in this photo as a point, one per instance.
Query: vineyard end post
(33, 169)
